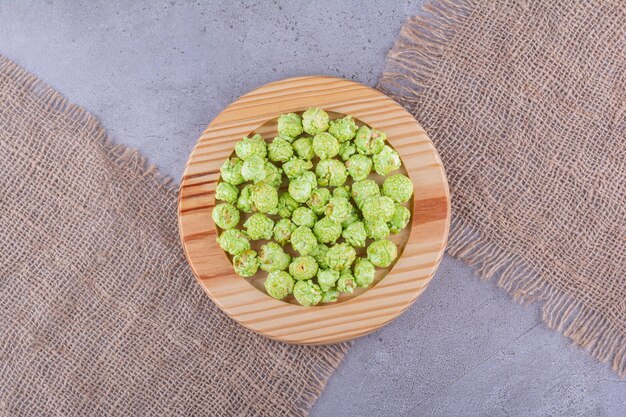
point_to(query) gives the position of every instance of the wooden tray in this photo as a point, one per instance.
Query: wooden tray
(420, 247)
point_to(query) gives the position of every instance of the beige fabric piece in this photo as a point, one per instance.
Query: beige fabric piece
(100, 313)
(526, 103)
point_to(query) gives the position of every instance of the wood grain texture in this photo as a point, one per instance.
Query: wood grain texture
(421, 246)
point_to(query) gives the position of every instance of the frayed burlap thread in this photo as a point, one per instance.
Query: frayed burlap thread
(100, 312)
(525, 101)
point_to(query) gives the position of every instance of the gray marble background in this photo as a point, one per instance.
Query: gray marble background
(156, 72)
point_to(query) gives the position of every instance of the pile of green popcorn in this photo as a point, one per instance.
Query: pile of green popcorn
(329, 210)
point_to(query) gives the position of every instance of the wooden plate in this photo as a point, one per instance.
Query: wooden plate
(420, 248)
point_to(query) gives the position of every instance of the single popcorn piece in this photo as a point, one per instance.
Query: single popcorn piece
(386, 161)
(340, 256)
(318, 200)
(325, 145)
(378, 208)
(310, 177)
(314, 121)
(303, 268)
(359, 166)
(304, 148)
(226, 192)
(346, 282)
(225, 215)
(273, 257)
(343, 129)
(303, 240)
(343, 191)
(320, 255)
(364, 272)
(233, 241)
(246, 263)
(295, 167)
(307, 293)
(369, 141)
(300, 188)
(338, 209)
(400, 219)
(376, 229)
(259, 226)
(279, 284)
(346, 150)
(355, 234)
(326, 278)
(364, 189)
(279, 150)
(304, 216)
(398, 187)
(253, 169)
(273, 175)
(330, 296)
(331, 172)
(286, 205)
(231, 171)
(382, 253)
(354, 216)
(283, 230)
(264, 198)
(244, 202)
(327, 230)
(251, 146)
(290, 125)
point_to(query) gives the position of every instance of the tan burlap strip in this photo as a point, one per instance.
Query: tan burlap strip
(526, 102)
(99, 312)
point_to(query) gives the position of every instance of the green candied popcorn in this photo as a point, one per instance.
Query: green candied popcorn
(315, 120)
(327, 230)
(251, 146)
(246, 263)
(273, 258)
(304, 148)
(307, 293)
(346, 282)
(233, 241)
(364, 272)
(279, 150)
(279, 284)
(325, 145)
(378, 208)
(330, 296)
(343, 129)
(364, 189)
(310, 177)
(283, 230)
(226, 192)
(369, 141)
(326, 278)
(320, 255)
(359, 166)
(354, 216)
(296, 166)
(231, 171)
(303, 240)
(338, 209)
(244, 202)
(355, 234)
(286, 205)
(225, 215)
(400, 219)
(304, 216)
(376, 229)
(273, 175)
(303, 267)
(259, 226)
(382, 253)
(346, 150)
(331, 172)
(253, 169)
(386, 161)
(343, 191)
(318, 200)
(264, 198)
(340, 256)
(289, 125)
(300, 188)
(398, 187)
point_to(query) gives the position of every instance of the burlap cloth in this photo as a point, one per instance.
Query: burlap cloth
(99, 313)
(526, 103)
